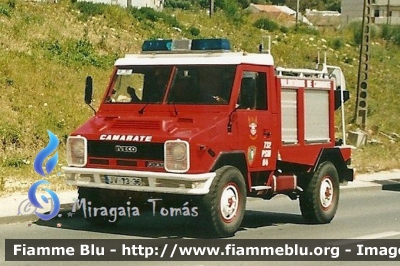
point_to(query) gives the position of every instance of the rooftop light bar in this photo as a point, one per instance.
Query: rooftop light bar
(186, 45)
(157, 45)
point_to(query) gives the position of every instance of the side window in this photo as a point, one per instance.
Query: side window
(253, 91)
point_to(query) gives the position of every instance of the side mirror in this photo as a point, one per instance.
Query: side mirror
(89, 90)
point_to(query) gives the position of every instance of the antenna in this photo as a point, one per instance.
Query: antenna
(261, 46)
(318, 60)
(317, 67)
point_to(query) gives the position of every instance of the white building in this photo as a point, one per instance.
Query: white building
(382, 11)
(278, 13)
(386, 11)
(323, 18)
(156, 4)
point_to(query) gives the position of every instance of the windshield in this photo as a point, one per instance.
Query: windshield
(191, 84)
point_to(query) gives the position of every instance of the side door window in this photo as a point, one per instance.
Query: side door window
(253, 93)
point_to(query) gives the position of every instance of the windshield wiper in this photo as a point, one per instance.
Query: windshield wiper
(141, 111)
(175, 110)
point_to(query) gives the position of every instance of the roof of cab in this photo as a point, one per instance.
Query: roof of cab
(214, 58)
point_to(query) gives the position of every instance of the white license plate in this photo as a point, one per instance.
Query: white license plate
(119, 180)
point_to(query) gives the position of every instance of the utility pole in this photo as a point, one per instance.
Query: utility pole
(297, 13)
(388, 13)
(211, 7)
(363, 65)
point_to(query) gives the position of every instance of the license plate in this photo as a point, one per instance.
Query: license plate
(119, 180)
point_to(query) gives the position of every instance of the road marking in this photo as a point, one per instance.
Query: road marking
(365, 237)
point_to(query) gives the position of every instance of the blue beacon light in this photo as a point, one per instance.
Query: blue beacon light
(194, 45)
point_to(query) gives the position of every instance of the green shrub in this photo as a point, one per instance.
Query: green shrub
(9, 136)
(146, 13)
(76, 52)
(4, 10)
(182, 4)
(88, 9)
(266, 24)
(170, 20)
(357, 36)
(9, 81)
(11, 3)
(337, 43)
(244, 3)
(357, 30)
(16, 162)
(149, 14)
(348, 60)
(307, 30)
(396, 35)
(221, 4)
(391, 33)
(386, 32)
(284, 29)
(194, 31)
(233, 11)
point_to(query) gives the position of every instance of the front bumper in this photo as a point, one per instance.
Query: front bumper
(188, 184)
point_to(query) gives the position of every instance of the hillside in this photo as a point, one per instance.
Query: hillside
(47, 50)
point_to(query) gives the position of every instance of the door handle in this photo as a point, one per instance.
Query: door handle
(267, 133)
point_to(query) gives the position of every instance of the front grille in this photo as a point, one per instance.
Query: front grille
(107, 149)
(99, 161)
(126, 163)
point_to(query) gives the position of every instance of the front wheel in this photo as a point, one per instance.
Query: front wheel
(225, 203)
(319, 200)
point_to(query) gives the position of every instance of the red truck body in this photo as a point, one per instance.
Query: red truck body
(219, 126)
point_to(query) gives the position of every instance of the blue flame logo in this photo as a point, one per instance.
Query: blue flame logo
(50, 165)
(35, 202)
(52, 162)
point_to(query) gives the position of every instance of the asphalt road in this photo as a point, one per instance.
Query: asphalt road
(368, 214)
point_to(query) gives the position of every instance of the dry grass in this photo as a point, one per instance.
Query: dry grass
(45, 53)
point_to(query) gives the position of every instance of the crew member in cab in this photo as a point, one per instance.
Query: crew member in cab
(140, 85)
(183, 89)
(155, 85)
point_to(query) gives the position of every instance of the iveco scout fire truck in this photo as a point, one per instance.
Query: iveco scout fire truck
(192, 118)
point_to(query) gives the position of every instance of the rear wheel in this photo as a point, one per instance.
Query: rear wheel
(225, 203)
(320, 198)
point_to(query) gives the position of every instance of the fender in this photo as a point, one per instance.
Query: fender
(335, 156)
(234, 158)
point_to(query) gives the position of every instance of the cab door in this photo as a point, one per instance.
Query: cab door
(256, 123)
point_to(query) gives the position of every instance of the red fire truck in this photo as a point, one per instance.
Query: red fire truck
(192, 118)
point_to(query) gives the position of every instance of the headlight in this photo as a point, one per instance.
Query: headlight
(76, 151)
(179, 152)
(176, 156)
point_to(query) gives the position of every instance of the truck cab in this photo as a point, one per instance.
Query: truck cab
(192, 118)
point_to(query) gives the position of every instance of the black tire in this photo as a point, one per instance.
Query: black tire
(319, 200)
(227, 188)
(95, 197)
